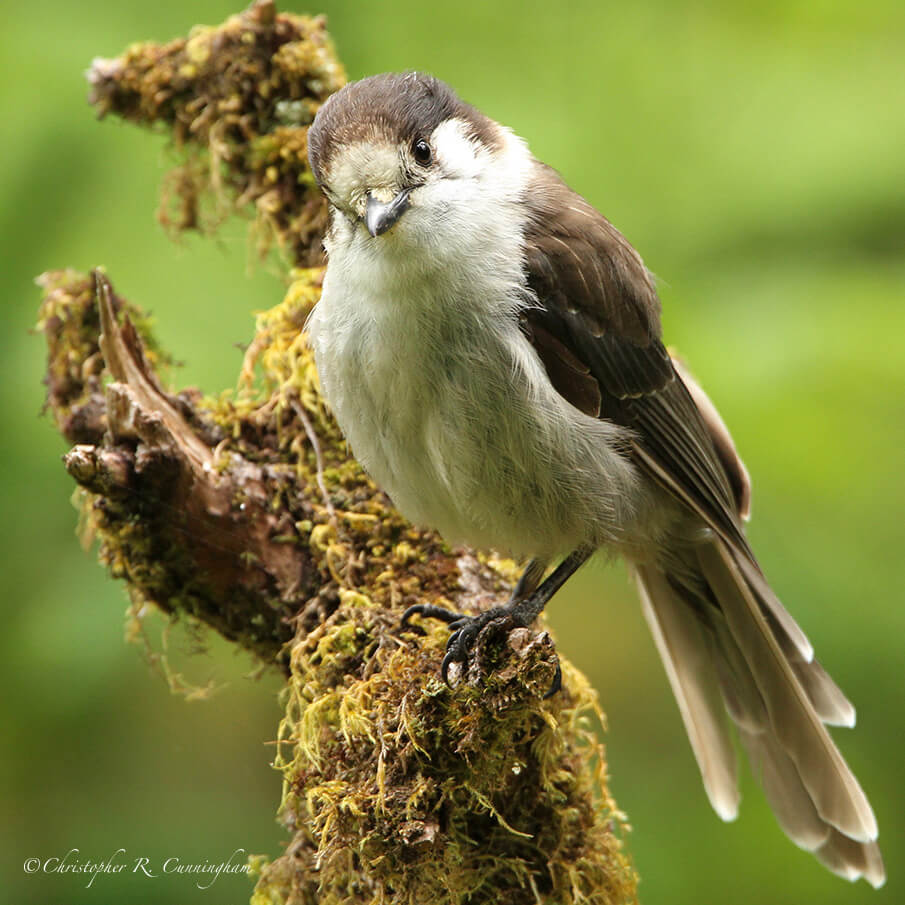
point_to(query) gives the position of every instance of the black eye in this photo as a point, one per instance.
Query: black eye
(422, 152)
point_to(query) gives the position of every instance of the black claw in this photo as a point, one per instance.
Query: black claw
(428, 611)
(456, 635)
(448, 660)
(556, 684)
(457, 647)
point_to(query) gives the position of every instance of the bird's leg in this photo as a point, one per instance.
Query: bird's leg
(526, 607)
(528, 600)
(529, 580)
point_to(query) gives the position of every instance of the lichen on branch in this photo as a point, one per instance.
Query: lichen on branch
(244, 512)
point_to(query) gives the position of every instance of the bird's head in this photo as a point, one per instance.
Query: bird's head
(403, 160)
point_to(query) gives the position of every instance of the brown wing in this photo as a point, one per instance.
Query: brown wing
(596, 327)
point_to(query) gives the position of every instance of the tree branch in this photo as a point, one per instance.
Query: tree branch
(247, 515)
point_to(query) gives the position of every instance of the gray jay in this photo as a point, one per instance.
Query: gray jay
(491, 347)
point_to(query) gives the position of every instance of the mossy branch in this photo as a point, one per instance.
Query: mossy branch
(246, 514)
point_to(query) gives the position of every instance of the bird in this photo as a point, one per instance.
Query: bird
(491, 347)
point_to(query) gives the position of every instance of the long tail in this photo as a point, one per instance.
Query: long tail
(730, 647)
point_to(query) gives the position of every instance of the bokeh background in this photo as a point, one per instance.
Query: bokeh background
(753, 152)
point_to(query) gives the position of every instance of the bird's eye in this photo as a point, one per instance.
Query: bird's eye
(421, 151)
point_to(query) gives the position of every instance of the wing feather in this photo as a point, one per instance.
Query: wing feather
(593, 297)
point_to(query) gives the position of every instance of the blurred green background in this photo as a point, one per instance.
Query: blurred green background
(754, 154)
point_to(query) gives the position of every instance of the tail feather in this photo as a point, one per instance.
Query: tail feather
(692, 676)
(833, 788)
(851, 860)
(742, 657)
(827, 699)
(788, 798)
(832, 706)
(772, 607)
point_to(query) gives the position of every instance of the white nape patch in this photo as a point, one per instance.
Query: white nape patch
(462, 156)
(459, 155)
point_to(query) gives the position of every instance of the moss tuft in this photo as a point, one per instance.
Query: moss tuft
(236, 100)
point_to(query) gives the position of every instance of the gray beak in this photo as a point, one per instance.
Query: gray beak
(379, 217)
